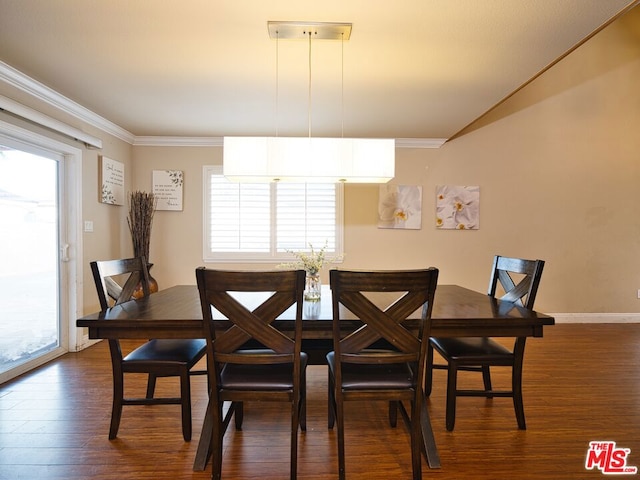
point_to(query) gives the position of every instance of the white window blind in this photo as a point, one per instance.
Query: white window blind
(260, 222)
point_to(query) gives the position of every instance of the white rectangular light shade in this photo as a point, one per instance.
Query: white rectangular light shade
(303, 159)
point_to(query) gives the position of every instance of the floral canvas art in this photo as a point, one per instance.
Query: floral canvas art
(400, 206)
(457, 207)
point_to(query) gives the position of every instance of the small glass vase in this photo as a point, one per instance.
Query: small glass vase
(312, 287)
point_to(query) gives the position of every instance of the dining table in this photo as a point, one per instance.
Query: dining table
(175, 312)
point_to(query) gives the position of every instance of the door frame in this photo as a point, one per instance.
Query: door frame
(70, 198)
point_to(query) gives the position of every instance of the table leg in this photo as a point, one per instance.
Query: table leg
(430, 448)
(204, 445)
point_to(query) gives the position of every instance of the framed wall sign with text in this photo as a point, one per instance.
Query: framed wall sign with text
(111, 181)
(167, 188)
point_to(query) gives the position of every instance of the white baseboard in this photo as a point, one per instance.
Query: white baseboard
(596, 317)
(85, 342)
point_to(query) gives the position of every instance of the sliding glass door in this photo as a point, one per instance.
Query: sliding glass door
(30, 257)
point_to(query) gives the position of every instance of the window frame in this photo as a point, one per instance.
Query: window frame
(258, 257)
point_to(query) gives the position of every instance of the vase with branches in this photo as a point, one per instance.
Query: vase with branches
(142, 206)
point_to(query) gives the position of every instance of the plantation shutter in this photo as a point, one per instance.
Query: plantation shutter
(240, 216)
(306, 214)
(261, 222)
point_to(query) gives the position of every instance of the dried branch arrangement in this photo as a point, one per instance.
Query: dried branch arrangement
(142, 206)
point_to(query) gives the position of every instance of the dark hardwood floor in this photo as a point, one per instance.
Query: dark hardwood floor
(581, 384)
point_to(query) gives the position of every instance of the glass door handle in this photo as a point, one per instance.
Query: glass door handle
(64, 250)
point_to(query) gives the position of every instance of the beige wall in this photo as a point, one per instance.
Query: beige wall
(558, 165)
(110, 237)
(176, 237)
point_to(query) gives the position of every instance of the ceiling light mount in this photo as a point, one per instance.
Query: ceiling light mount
(301, 30)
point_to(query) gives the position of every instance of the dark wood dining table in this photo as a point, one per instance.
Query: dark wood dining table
(176, 313)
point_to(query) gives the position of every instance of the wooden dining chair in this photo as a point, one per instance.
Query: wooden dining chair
(519, 279)
(116, 280)
(360, 370)
(273, 369)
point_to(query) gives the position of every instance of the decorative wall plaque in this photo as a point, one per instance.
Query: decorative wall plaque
(167, 188)
(111, 181)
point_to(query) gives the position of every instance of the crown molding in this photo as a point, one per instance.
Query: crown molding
(420, 142)
(19, 80)
(151, 141)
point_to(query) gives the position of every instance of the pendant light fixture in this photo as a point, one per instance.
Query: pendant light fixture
(309, 159)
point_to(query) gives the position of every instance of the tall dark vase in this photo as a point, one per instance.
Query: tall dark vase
(153, 285)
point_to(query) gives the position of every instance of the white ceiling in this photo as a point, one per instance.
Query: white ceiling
(412, 68)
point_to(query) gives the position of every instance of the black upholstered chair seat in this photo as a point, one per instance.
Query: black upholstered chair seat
(384, 376)
(166, 350)
(471, 349)
(278, 376)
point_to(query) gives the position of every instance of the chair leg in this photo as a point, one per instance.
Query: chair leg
(238, 412)
(519, 408)
(151, 385)
(516, 382)
(452, 385)
(340, 421)
(428, 380)
(331, 403)
(116, 408)
(518, 404)
(416, 440)
(302, 416)
(295, 420)
(393, 413)
(303, 402)
(185, 387)
(486, 378)
(217, 437)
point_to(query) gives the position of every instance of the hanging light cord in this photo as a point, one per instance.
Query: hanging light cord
(277, 79)
(309, 93)
(342, 87)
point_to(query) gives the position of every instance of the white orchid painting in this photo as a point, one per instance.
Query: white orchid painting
(457, 207)
(400, 206)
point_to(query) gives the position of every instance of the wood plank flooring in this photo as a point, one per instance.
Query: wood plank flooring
(581, 384)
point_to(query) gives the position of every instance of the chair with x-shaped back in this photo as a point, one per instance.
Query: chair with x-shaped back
(240, 370)
(384, 358)
(519, 279)
(157, 358)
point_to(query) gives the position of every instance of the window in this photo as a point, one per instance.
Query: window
(260, 222)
